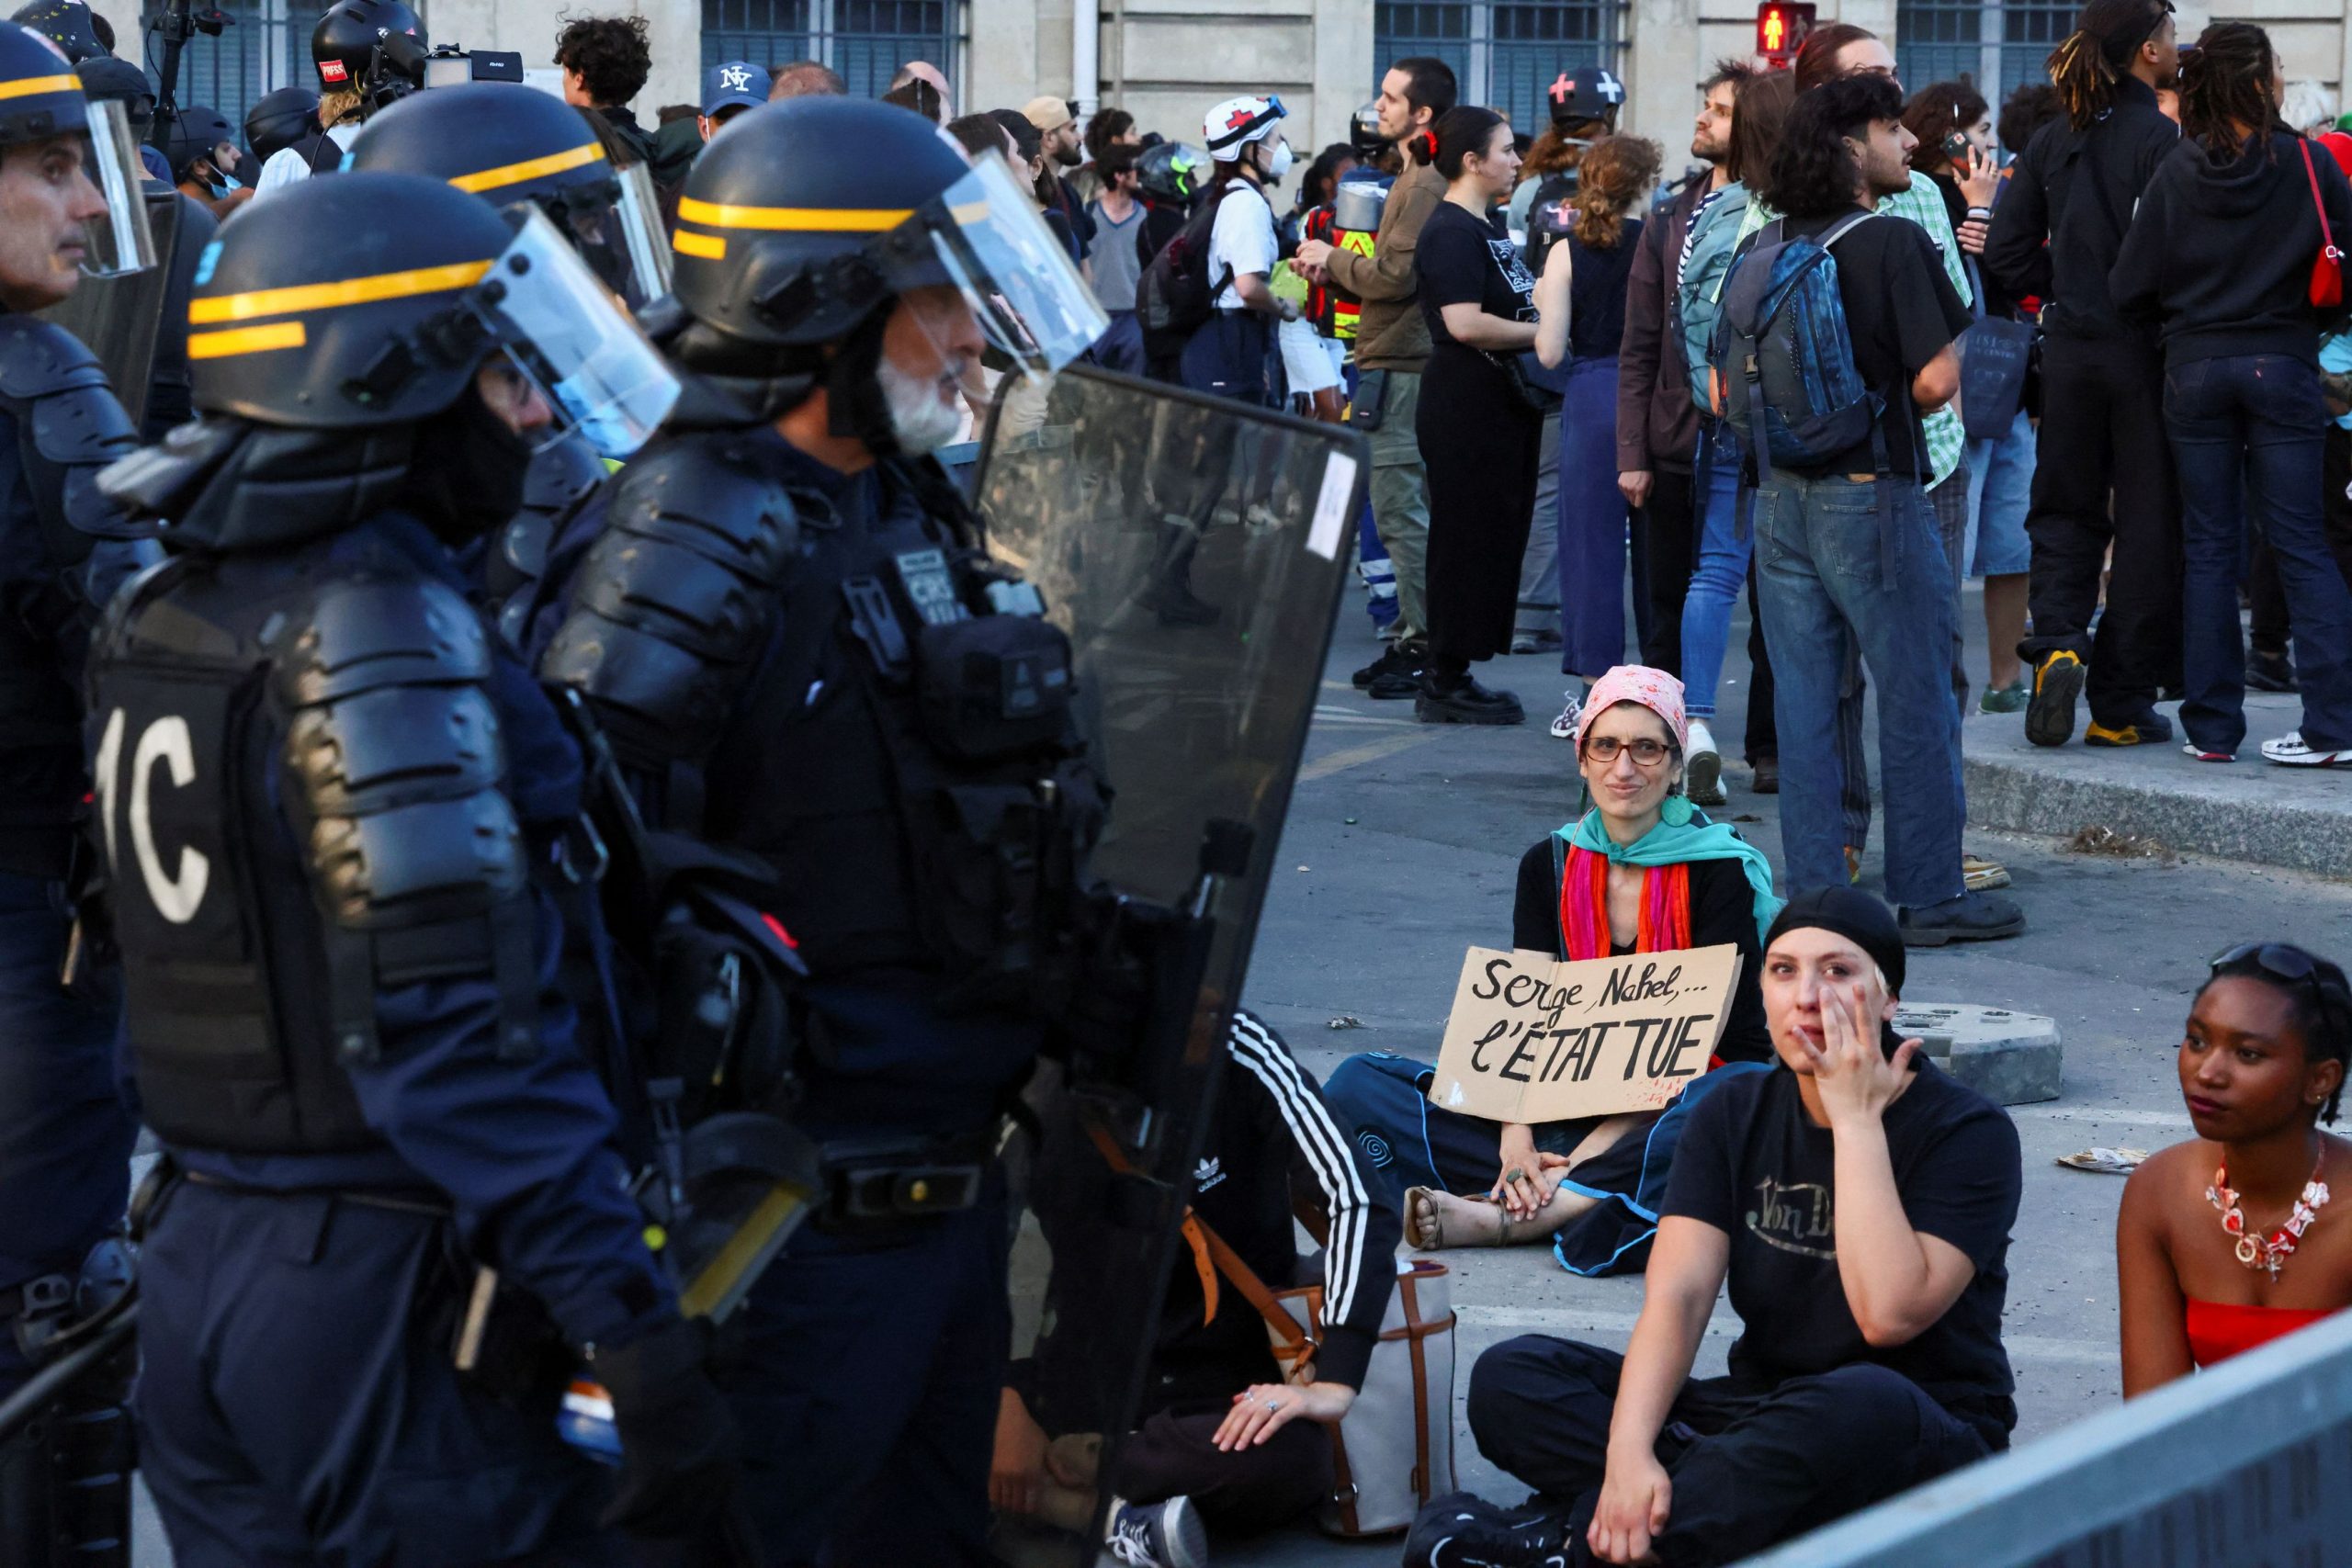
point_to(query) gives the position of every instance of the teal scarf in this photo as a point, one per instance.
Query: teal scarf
(1678, 838)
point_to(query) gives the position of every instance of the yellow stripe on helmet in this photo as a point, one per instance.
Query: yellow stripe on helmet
(25, 86)
(244, 339)
(837, 219)
(530, 169)
(441, 279)
(709, 247)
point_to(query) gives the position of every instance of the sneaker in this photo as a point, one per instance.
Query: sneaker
(1395, 673)
(2190, 748)
(2289, 751)
(1764, 775)
(2050, 711)
(1564, 727)
(2269, 671)
(1703, 774)
(2004, 699)
(1535, 641)
(1467, 704)
(2142, 729)
(1466, 1531)
(1972, 917)
(1981, 875)
(1155, 1535)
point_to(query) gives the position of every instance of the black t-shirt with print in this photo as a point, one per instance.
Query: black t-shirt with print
(1900, 312)
(1464, 262)
(1754, 1166)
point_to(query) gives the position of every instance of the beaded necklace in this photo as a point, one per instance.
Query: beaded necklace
(2254, 1250)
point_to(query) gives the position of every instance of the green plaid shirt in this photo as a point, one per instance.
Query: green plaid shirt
(1945, 439)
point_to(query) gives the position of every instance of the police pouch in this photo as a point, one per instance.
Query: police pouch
(507, 1344)
(994, 687)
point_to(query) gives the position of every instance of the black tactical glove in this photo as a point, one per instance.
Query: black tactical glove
(677, 1439)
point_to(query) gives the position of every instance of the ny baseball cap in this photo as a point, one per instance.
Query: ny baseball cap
(733, 84)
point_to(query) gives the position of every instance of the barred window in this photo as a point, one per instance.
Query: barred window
(1505, 53)
(266, 46)
(1998, 45)
(866, 41)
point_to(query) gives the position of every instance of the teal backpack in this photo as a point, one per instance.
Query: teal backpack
(1699, 298)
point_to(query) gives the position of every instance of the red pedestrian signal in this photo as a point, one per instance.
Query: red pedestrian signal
(1780, 28)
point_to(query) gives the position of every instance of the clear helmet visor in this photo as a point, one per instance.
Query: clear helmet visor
(118, 239)
(618, 237)
(563, 326)
(1019, 281)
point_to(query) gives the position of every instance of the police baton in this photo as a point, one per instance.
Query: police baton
(45, 1387)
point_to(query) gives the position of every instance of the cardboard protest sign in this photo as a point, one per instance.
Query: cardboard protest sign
(1534, 1039)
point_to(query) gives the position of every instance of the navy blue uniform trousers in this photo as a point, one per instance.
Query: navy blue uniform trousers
(297, 1405)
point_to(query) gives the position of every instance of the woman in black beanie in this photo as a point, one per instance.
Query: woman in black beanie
(1859, 1204)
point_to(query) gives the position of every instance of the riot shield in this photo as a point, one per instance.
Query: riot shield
(120, 318)
(1194, 549)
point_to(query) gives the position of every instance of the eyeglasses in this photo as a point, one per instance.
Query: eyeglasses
(1647, 753)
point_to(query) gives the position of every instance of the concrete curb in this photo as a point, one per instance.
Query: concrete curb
(2241, 824)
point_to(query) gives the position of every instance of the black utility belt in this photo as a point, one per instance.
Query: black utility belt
(870, 1183)
(397, 1203)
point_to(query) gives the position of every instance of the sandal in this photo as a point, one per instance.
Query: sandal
(1423, 1218)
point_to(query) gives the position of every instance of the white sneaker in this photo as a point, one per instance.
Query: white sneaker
(1703, 770)
(1155, 1535)
(1564, 727)
(2289, 750)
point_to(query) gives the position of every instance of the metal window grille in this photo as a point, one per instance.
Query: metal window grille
(1998, 45)
(1505, 53)
(268, 48)
(866, 41)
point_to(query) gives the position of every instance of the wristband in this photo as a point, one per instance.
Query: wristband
(1985, 212)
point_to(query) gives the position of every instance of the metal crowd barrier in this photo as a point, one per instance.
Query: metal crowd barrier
(2247, 1466)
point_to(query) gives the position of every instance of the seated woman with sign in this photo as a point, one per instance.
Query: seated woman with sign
(2225, 1241)
(1642, 872)
(1859, 1202)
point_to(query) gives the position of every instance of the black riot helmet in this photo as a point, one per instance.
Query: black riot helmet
(1172, 171)
(508, 145)
(353, 48)
(278, 120)
(1363, 131)
(371, 299)
(1590, 95)
(66, 23)
(198, 132)
(802, 222)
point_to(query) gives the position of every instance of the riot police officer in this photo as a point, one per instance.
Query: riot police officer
(790, 631)
(510, 145)
(65, 1137)
(331, 802)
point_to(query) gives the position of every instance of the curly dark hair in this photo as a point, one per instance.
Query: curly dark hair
(610, 53)
(1813, 172)
(1618, 171)
(2087, 64)
(1936, 111)
(2027, 110)
(1105, 128)
(2320, 1002)
(2226, 84)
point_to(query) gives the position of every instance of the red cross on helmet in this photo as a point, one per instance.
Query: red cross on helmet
(1236, 122)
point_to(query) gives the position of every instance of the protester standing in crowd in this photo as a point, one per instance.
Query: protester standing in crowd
(1869, 1291)
(1118, 219)
(2211, 1253)
(2221, 251)
(204, 161)
(1233, 354)
(1847, 552)
(1392, 350)
(807, 79)
(1617, 176)
(1058, 150)
(930, 75)
(1726, 547)
(1481, 423)
(606, 61)
(1658, 424)
(1108, 128)
(1955, 155)
(1642, 872)
(345, 53)
(728, 89)
(2105, 478)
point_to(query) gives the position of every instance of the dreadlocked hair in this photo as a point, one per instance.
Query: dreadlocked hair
(2225, 86)
(1618, 172)
(2098, 55)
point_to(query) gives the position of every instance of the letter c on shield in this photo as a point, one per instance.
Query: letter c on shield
(175, 897)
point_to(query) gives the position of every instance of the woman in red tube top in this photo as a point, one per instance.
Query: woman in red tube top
(2230, 1240)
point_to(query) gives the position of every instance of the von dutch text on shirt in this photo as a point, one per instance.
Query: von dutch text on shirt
(1796, 1217)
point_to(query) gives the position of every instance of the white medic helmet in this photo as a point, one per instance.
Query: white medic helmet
(1236, 122)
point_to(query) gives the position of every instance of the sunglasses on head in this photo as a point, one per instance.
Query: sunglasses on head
(2290, 964)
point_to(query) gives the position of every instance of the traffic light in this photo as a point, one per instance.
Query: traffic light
(1780, 28)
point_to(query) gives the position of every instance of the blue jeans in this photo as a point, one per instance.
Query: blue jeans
(2250, 430)
(1826, 587)
(2000, 483)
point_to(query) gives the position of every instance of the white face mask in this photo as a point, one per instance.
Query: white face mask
(1278, 164)
(919, 421)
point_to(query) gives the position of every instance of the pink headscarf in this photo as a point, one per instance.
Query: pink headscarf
(1653, 689)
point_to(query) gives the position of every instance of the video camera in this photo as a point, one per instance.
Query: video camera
(448, 65)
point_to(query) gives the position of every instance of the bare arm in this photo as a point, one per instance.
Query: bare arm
(1252, 289)
(1688, 1262)
(1473, 328)
(1552, 309)
(2154, 1309)
(1939, 383)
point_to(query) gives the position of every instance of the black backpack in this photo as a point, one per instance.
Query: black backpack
(1173, 296)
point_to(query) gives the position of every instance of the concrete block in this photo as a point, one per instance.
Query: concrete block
(2010, 1058)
